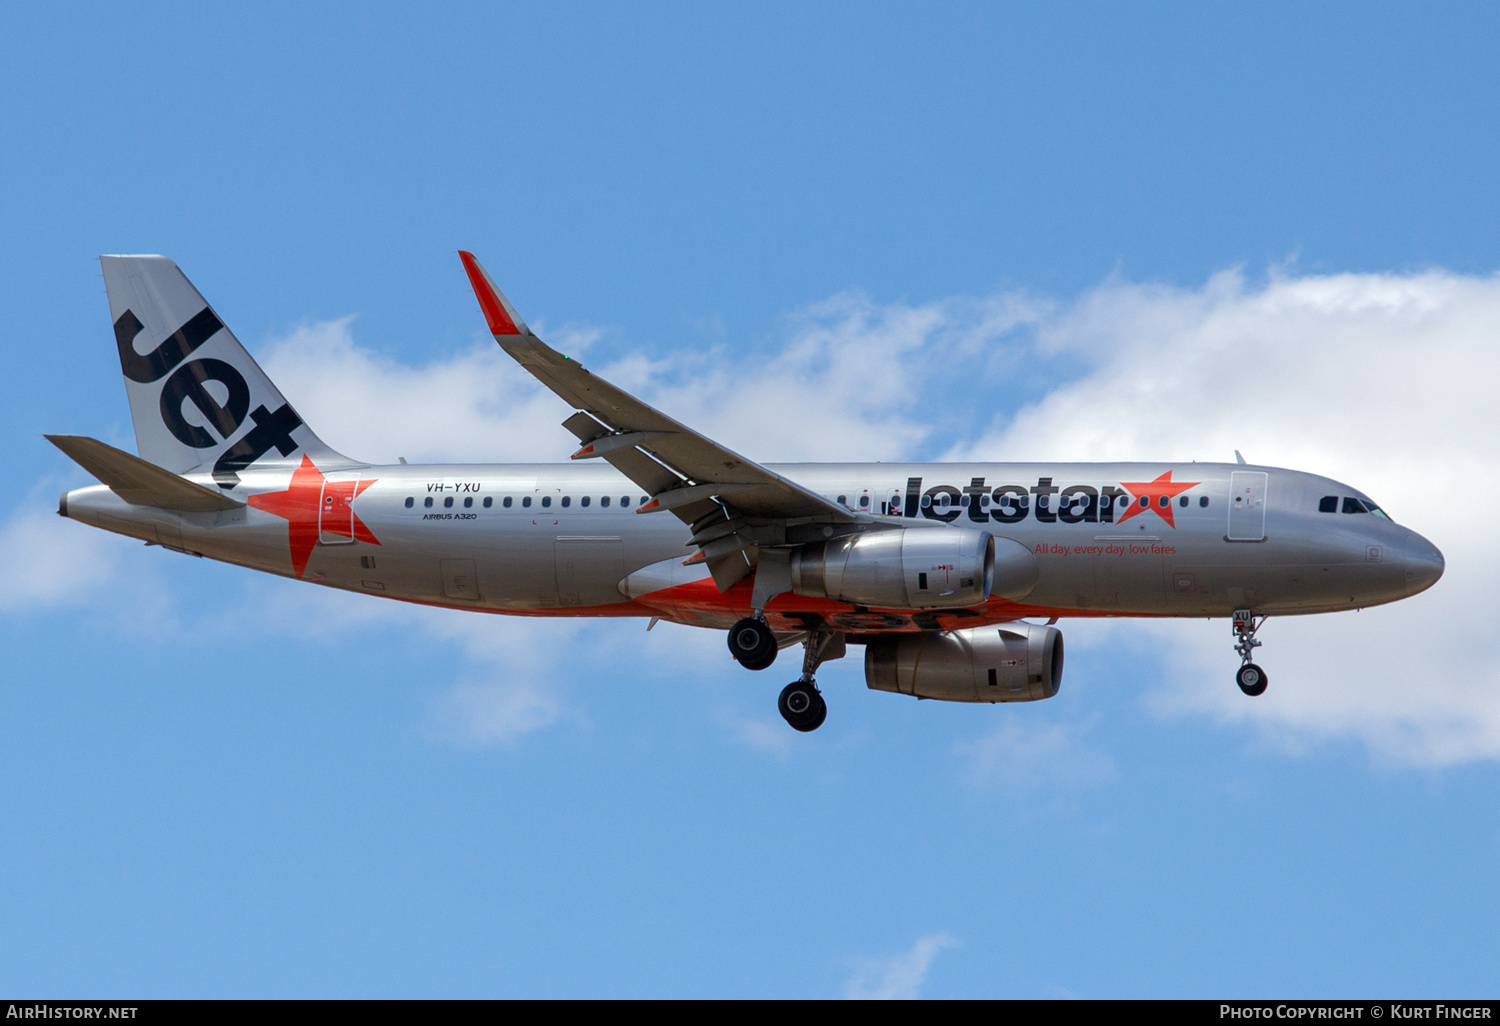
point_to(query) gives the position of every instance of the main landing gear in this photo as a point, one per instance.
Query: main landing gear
(801, 703)
(1251, 678)
(752, 644)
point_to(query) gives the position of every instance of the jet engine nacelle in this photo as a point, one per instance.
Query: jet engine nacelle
(915, 568)
(1011, 662)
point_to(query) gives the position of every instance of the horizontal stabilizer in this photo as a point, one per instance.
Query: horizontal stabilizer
(138, 482)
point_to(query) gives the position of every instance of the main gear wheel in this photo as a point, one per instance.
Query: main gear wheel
(802, 706)
(752, 644)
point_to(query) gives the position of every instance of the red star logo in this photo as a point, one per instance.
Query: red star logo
(1158, 495)
(312, 506)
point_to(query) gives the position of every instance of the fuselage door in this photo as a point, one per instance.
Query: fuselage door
(1247, 505)
(336, 512)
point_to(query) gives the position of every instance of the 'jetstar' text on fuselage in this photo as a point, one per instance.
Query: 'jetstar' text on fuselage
(1069, 504)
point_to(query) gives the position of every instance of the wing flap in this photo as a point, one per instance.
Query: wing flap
(627, 459)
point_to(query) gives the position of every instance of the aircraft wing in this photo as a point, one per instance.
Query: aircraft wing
(697, 479)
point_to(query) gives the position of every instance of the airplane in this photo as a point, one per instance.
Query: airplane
(937, 569)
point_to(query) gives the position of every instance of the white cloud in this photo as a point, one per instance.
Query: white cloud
(516, 685)
(500, 710)
(54, 565)
(898, 977)
(847, 382)
(852, 380)
(1383, 381)
(49, 561)
(760, 734)
(511, 681)
(475, 406)
(1022, 759)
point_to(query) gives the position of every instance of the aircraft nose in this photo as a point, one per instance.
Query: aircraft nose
(1424, 564)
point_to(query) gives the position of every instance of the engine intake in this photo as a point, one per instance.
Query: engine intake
(915, 568)
(1012, 662)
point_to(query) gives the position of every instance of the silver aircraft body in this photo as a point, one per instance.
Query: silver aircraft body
(935, 568)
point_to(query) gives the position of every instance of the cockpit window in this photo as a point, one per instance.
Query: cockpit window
(1351, 504)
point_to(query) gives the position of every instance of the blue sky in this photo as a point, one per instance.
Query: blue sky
(816, 231)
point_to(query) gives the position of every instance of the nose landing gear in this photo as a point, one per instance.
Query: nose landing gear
(801, 703)
(1251, 678)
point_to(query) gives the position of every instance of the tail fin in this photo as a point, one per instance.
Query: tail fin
(192, 386)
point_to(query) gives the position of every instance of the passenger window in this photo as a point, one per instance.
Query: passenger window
(567, 500)
(926, 502)
(604, 500)
(1328, 504)
(1182, 502)
(546, 500)
(468, 501)
(505, 502)
(1145, 501)
(488, 502)
(843, 500)
(583, 501)
(410, 502)
(624, 502)
(526, 501)
(448, 502)
(1163, 501)
(645, 499)
(864, 502)
(1203, 501)
(1353, 505)
(427, 502)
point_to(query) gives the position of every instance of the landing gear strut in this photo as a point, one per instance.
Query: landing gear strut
(801, 703)
(1251, 678)
(752, 644)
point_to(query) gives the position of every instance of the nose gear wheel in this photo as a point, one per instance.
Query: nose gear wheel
(1251, 679)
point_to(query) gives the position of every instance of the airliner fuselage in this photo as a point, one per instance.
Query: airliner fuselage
(568, 540)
